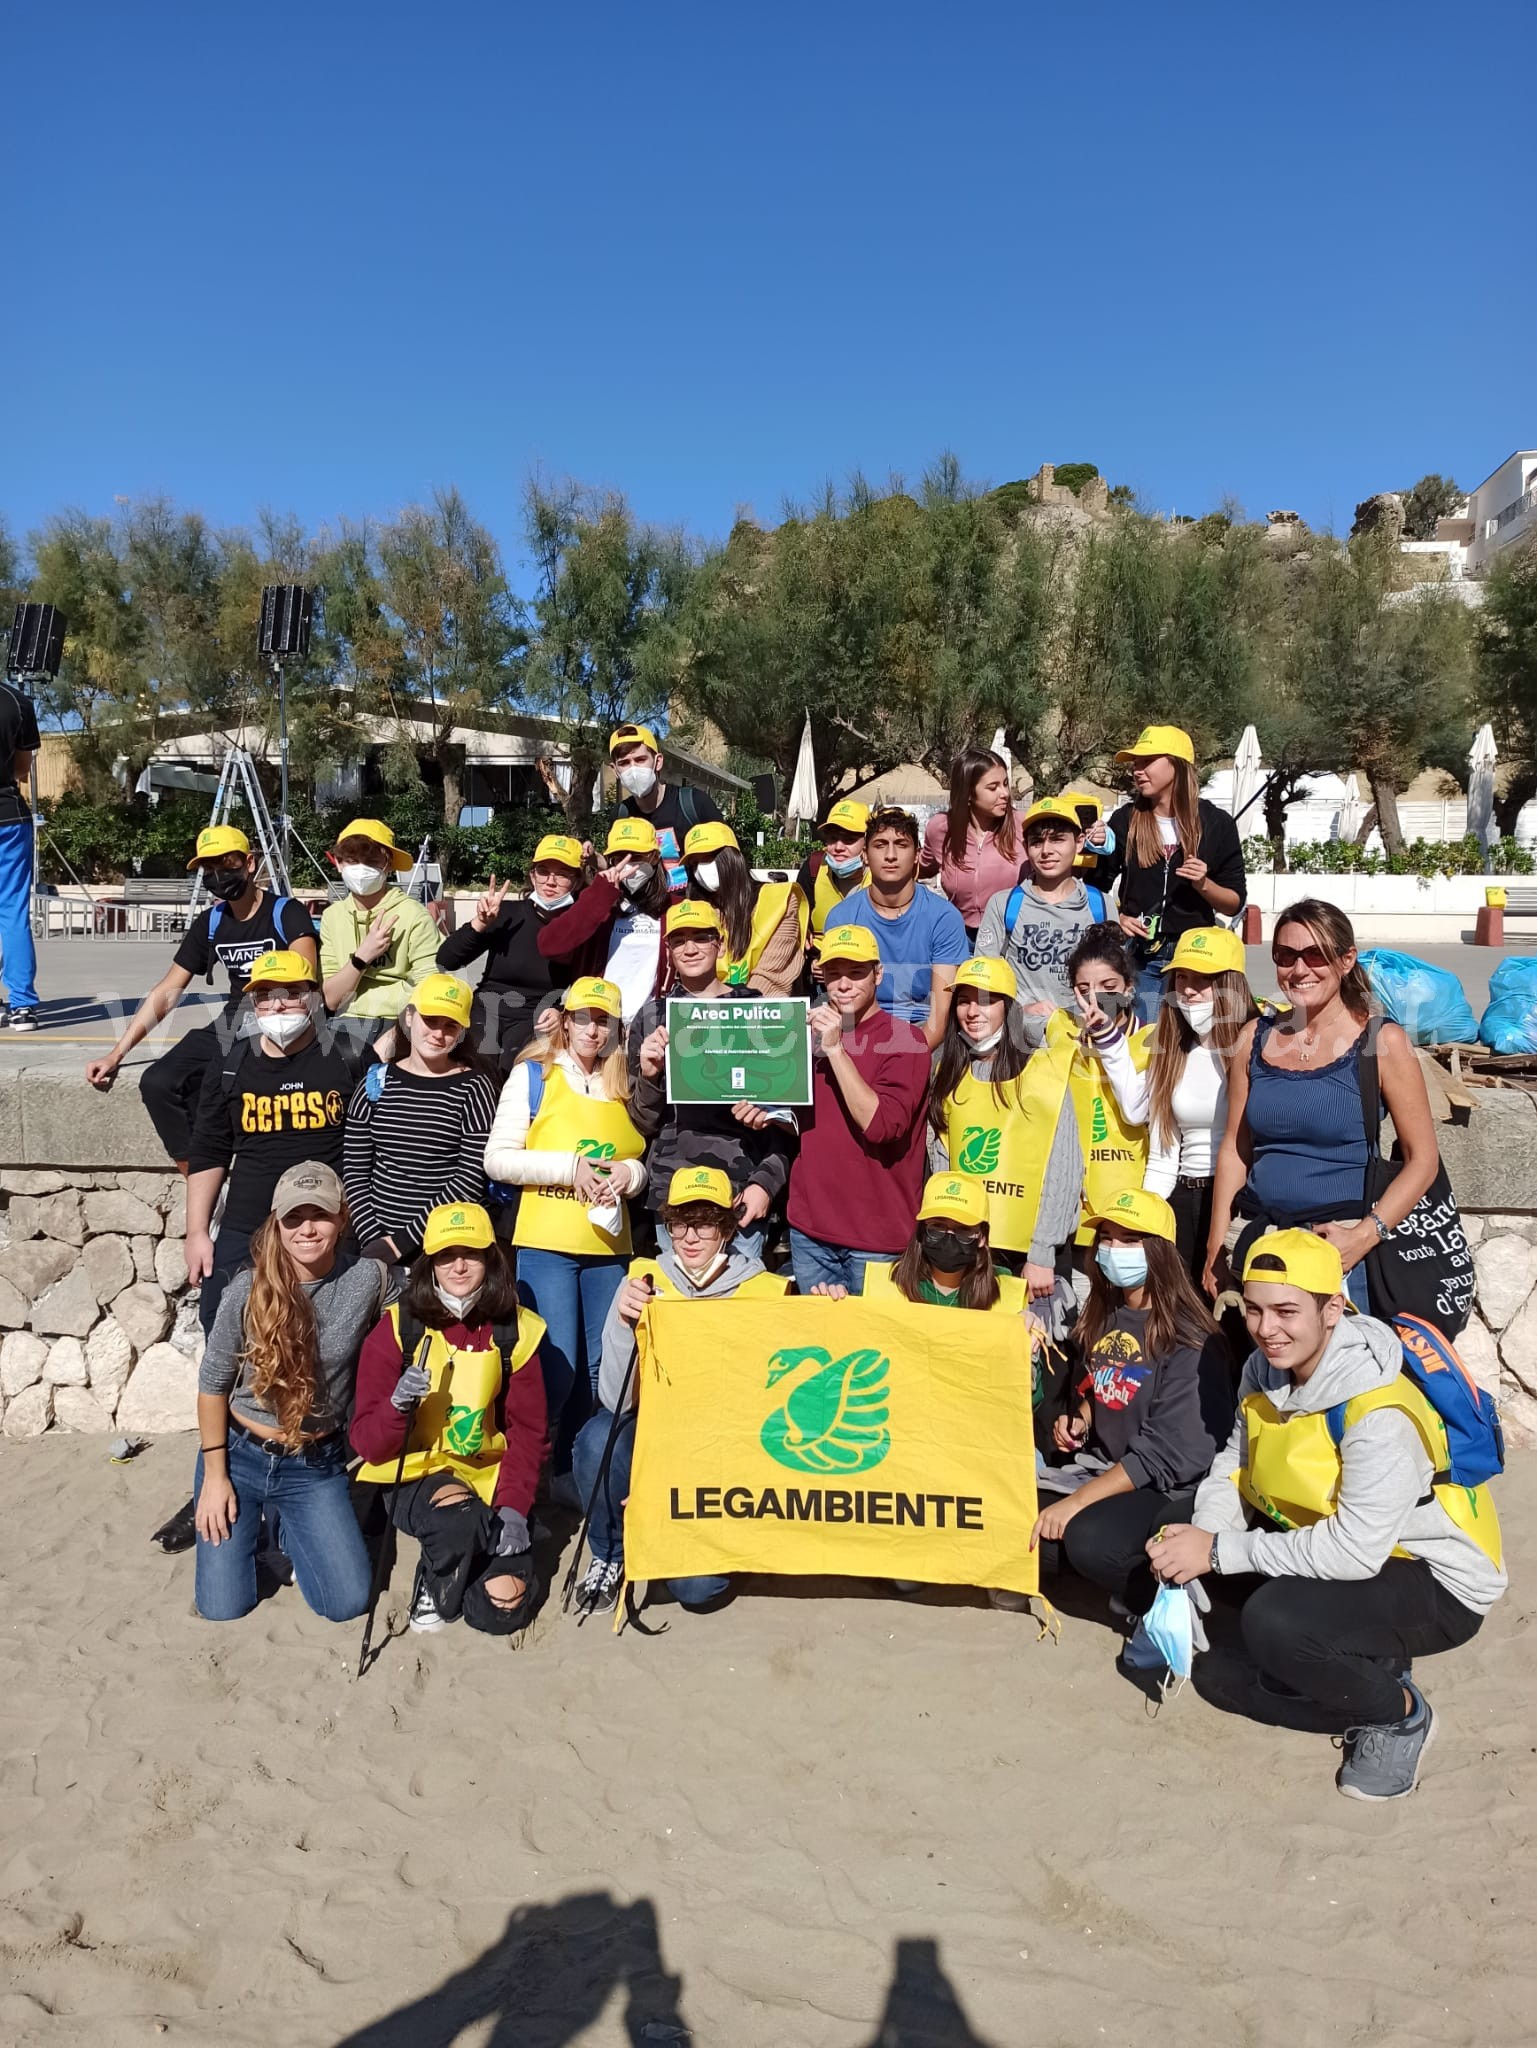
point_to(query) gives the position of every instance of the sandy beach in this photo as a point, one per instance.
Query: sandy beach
(826, 1817)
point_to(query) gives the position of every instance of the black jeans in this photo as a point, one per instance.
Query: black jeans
(1333, 1639)
(231, 1250)
(456, 1531)
(1192, 1224)
(1106, 1542)
(169, 1088)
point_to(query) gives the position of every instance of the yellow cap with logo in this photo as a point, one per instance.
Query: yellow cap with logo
(1059, 809)
(592, 992)
(1208, 949)
(214, 841)
(443, 995)
(694, 916)
(632, 736)
(556, 846)
(846, 815)
(453, 1223)
(955, 1197)
(1138, 1209)
(1158, 739)
(631, 835)
(848, 942)
(709, 837)
(1296, 1258)
(994, 977)
(381, 835)
(281, 966)
(700, 1184)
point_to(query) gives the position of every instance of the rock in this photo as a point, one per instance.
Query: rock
(1507, 1272)
(108, 1360)
(143, 1249)
(74, 1408)
(34, 1267)
(187, 1330)
(65, 1366)
(144, 1313)
(153, 1188)
(30, 1412)
(176, 1209)
(1492, 1158)
(22, 1357)
(1481, 1355)
(170, 1264)
(113, 1210)
(14, 1307)
(1518, 1346)
(61, 1217)
(1473, 1228)
(109, 1266)
(161, 1394)
(68, 1310)
(35, 1180)
(1518, 1419)
(1383, 513)
(21, 1219)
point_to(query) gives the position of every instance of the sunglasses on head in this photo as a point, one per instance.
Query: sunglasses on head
(1300, 956)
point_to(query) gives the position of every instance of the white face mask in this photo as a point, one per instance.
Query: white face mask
(638, 883)
(1199, 1014)
(282, 1027)
(707, 875)
(638, 781)
(458, 1305)
(363, 881)
(983, 1044)
(554, 902)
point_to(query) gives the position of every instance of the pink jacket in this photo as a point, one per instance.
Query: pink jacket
(971, 883)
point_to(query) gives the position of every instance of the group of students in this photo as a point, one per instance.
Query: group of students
(446, 1209)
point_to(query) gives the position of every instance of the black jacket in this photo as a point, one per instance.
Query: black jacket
(1158, 890)
(517, 981)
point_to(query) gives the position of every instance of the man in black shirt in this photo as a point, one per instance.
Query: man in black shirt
(518, 983)
(636, 760)
(18, 954)
(264, 1106)
(242, 923)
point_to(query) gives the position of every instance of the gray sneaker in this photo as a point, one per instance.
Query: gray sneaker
(21, 1020)
(1384, 1762)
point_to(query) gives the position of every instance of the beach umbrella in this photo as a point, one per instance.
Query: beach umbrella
(1248, 781)
(1347, 819)
(1001, 749)
(1481, 760)
(803, 790)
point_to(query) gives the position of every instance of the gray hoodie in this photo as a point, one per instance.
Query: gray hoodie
(1384, 1478)
(1037, 948)
(619, 1337)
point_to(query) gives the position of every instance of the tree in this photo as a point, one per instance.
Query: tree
(1507, 676)
(1433, 497)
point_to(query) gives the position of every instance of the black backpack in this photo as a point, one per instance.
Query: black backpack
(504, 1335)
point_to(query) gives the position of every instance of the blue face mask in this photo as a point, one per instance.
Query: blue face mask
(1123, 1265)
(844, 868)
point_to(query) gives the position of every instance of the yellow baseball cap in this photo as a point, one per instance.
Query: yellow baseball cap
(592, 992)
(632, 736)
(700, 1184)
(1305, 1259)
(556, 846)
(443, 995)
(849, 942)
(463, 1223)
(1158, 739)
(709, 837)
(1058, 808)
(381, 835)
(954, 1196)
(694, 916)
(1208, 949)
(993, 976)
(1080, 800)
(1138, 1209)
(281, 966)
(631, 835)
(851, 816)
(215, 840)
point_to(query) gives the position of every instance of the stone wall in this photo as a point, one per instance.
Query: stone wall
(1499, 1346)
(99, 1332)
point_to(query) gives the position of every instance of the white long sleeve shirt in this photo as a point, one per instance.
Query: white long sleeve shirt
(508, 1158)
(1199, 1105)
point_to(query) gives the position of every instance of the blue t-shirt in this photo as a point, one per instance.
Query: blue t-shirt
(928, 934)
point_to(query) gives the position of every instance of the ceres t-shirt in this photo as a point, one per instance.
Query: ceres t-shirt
(236, 944)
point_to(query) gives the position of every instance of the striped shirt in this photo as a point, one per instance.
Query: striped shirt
(411, 1142)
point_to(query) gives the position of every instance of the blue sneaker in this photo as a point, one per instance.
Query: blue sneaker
(1384, 1762)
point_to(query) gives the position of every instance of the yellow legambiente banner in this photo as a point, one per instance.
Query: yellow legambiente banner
(877, 1439)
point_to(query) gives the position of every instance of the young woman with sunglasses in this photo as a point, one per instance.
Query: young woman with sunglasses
(1294, 1149)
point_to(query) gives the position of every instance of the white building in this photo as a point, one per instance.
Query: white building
(1502, 511)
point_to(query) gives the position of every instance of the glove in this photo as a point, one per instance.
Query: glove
(414, 1384)
(512, 1536)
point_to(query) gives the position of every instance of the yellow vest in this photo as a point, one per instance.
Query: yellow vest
(555, 1219)
(1114, 1152)
(827, 899)
(1007, 1143)
(775, 1284)
(1292, 1477)
(774, 902)
(454, 1427)
(1013, 1295)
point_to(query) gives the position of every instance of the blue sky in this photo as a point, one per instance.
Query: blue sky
(329, 257)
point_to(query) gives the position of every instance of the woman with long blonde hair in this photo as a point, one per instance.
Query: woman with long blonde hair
(274, 1391)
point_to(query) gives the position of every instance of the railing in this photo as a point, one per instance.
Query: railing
(1527, 502)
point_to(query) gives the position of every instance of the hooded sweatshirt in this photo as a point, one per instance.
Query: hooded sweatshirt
(619, 1336)
(1038, 946)
(1384, 1482)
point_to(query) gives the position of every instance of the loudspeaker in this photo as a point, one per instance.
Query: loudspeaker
(288, 612)
(765, 794)
(37, 641)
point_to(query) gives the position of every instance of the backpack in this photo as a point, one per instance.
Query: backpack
(500, 1192)
(1016, 904)
(1475, 1443)
(216, 916)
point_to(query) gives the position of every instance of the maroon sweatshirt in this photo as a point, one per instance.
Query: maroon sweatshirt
(861, 1189)
(379, 1429)
(579, 937)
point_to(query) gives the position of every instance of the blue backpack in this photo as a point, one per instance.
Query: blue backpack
(1475, 1442)
(1016, 904)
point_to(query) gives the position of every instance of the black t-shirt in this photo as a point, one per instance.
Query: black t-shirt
(678, 810)
(1159, 890)
(518, 979)
(258, 1115)
(18, 735)
(240, 942)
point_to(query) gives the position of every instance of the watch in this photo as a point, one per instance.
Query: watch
(1383, 1232)
(1216, 1562)
(361, 965)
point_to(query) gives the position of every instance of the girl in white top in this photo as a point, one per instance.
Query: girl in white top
(1181, 1095)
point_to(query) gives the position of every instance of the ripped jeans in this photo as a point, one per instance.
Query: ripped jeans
(457, 1532)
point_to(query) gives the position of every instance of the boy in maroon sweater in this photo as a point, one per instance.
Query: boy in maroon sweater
(855, 1185)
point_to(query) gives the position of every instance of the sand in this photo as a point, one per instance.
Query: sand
(822, 1816)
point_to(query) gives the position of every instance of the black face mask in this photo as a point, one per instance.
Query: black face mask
(225, 886)
(947, 1251)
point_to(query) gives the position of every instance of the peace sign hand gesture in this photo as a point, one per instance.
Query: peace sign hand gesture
(488, 906)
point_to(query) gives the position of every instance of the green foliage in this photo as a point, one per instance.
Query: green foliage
(777, 850)
(1424, 857)
(1072, 476)
(1433, 497)
(1507, 674)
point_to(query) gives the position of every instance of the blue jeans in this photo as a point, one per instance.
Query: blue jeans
(1152, 981)
(18, 953)
(605, 1532)
(573, 1292)
(812, 1261)
(306, 1505)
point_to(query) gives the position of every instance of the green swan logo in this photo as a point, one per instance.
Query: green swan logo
(834, 1420)
(590, 1148)
(464, 1433)
(1100, 1126)
(979, 1149)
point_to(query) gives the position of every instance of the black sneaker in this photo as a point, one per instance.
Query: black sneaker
(424, 1617)
(21, 1020)
(180, 1532)
(599, 1591)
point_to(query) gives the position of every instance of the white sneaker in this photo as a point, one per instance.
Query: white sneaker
(425, 1618)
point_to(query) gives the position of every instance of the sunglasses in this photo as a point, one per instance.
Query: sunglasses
(1300, 956)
